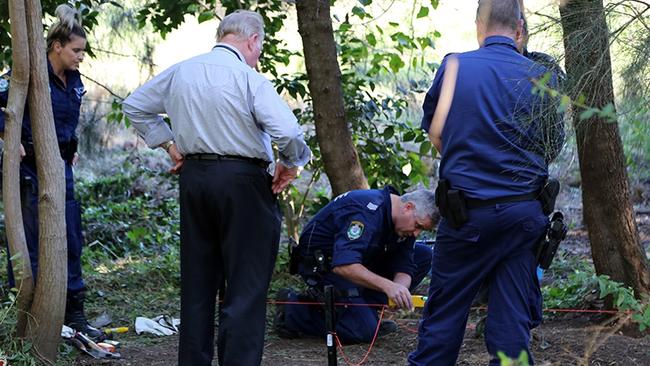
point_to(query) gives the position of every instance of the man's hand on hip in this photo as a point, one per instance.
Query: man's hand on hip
(177, 159)
(282, 177)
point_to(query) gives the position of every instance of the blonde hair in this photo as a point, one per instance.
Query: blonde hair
(69, 24)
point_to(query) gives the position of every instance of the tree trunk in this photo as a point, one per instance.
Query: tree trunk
(11, 164)
(340, 158)
(607, 208)
(44, 326)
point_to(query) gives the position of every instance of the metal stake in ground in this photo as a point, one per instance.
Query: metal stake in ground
(330, 325)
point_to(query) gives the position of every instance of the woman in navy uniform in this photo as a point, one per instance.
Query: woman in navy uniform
(66, 44)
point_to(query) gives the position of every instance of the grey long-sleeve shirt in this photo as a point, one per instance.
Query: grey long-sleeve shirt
(217, 104)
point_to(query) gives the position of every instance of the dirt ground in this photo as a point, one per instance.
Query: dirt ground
(564, 341)
(575, 339)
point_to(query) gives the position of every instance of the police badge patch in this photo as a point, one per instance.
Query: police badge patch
(4, 85)
(355, 230)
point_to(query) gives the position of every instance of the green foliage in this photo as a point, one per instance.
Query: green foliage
(574, 286)
(15, 351)
(624, 300)
(572, 281)
(390, 148)
(116, 116)
(133, 210)
(167, 15)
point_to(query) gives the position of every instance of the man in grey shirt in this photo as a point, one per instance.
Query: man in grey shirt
(224, 116)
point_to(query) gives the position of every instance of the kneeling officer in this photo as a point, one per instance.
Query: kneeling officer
(362, 243)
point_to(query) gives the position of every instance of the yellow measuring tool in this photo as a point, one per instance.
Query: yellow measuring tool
(418, 301)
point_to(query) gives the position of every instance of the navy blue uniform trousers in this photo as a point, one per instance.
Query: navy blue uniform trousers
(354, 324)
(230, 231)
(29, 192)
(496, 245)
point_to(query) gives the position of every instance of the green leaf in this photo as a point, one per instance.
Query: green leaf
(359, 12)
(409, 136)
(434, 4)
(370, 37)
(424, 11)
(388, 132)
(608, 112)
(395, 63)
(365, 2)
(205, 16)
(588, 114)
(565, 102)
(425, 147)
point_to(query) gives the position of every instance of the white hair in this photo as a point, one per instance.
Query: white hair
(425, 204)
(243, 24)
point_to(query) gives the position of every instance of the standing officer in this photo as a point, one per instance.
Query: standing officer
(66, 46)
(481, 115)
(224, 116)
(362, 243)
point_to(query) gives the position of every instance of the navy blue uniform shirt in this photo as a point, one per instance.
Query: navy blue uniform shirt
(492, 147)
(66, 104)
(357, 227)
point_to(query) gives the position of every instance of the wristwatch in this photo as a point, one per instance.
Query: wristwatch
(167, 145)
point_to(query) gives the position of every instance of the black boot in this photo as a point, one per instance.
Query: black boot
(75, 317)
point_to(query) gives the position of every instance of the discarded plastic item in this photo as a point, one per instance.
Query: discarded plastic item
(162, 325)
(67, 332)
(106, 347)
(91, 348)
(102, 320)
(418, 301)
(116, 330)
(112, 342)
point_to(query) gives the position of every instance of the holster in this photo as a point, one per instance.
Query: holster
(549, 245)
(314, 263)
(548, 195)
(294, 257)
(451, 203)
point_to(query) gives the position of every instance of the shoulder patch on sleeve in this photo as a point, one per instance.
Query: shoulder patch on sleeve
(355, 230)
(4, 84)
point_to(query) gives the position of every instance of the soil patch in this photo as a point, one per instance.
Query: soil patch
(565, 341)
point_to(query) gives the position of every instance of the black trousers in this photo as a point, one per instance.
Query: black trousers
(230, 231)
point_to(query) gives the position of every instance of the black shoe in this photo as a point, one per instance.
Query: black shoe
(279, 326)
(386, 327)
(75, 317)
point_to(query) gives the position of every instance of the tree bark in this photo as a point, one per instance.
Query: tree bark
(607, 207)
(340, 157)
(44, 326)
(11, 164)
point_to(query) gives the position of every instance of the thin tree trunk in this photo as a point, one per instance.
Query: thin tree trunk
(607, 208)
(340, 158)
(11, 164)
(44, 327)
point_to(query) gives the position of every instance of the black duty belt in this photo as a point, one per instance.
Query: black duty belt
(255, 161)
(472, 203)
